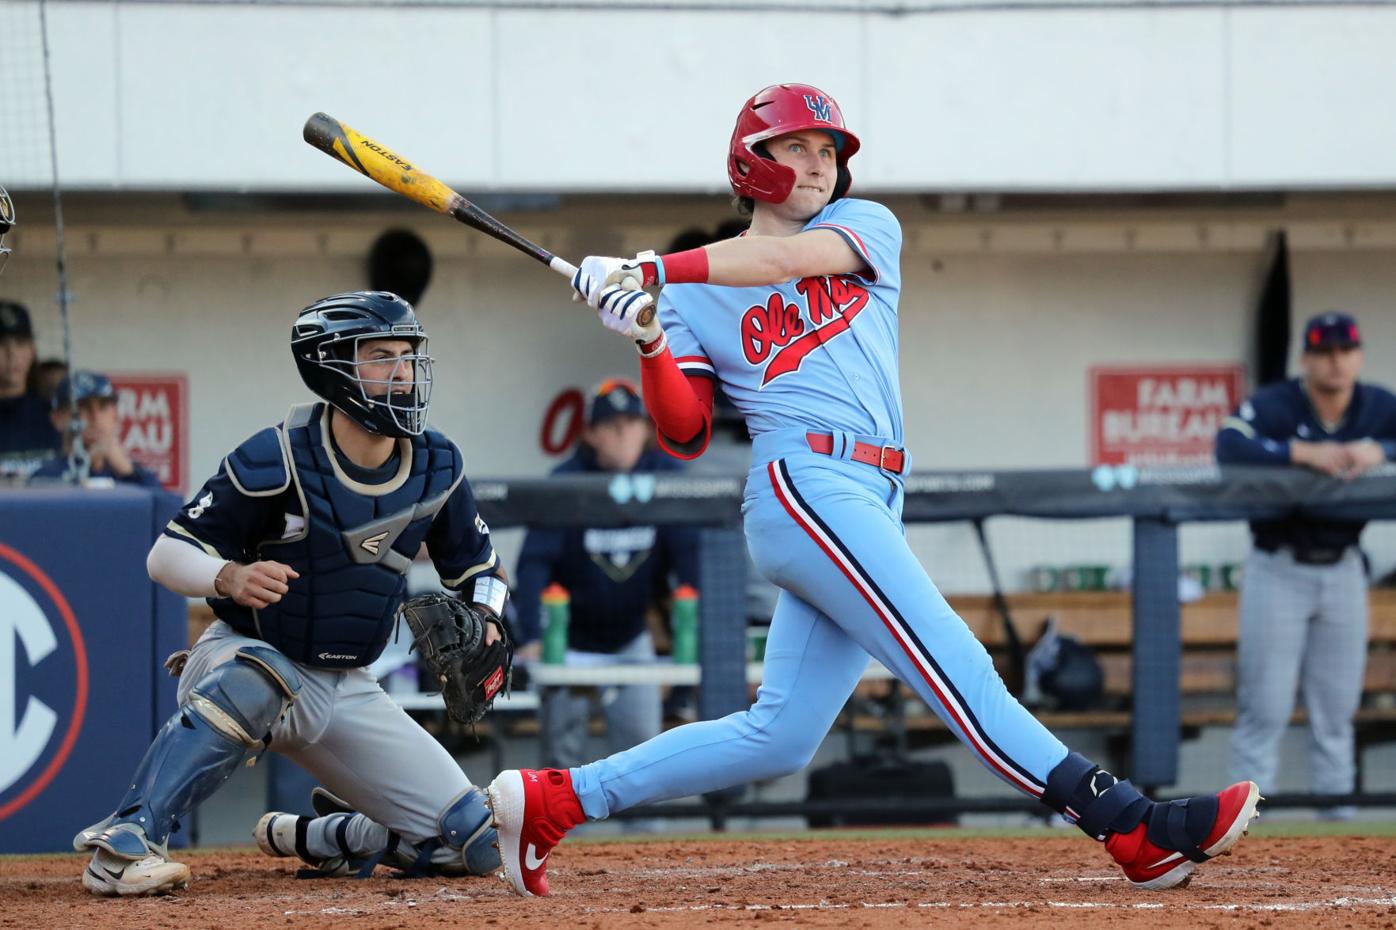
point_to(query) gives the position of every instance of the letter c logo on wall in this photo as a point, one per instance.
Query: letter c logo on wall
(43, 680)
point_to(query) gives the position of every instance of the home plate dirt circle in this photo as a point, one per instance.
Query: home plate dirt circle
(826, 880)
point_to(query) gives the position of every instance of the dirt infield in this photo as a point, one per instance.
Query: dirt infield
(826, 880)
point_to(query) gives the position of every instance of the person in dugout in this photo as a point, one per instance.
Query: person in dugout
(613, 576)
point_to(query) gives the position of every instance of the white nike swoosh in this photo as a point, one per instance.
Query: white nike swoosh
(531, 860)
(1163, 861)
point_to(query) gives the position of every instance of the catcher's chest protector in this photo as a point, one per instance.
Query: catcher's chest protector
(355, 546)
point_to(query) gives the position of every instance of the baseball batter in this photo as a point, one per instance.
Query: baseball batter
(797, 320)
(301, 543)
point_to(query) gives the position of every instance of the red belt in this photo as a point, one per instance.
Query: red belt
(887, 458)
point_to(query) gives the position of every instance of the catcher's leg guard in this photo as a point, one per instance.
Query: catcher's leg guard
(466, 845)
(279, 834)
(467, 827)
(229, 712)
(340, 841)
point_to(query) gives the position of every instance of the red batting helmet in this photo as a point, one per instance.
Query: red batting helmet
(775, 111)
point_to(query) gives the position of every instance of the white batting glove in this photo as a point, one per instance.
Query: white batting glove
(643, 270)
(596, 273)
(583, 286)
(619, 309)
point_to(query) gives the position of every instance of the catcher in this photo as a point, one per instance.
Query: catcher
(301, 543)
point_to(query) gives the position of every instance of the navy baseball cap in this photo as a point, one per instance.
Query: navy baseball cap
(84, 384)
(1331, 329)
(614, 397)
(14, 320)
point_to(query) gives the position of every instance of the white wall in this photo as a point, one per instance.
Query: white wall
(159, 96)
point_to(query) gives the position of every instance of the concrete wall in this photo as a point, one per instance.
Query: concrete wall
(199, 95)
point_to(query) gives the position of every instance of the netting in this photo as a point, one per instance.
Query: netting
(29, 170)
(25, 162)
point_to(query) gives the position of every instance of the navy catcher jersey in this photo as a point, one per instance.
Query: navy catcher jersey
(229, 521)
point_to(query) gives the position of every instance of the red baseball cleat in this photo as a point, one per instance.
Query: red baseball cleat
(1167, 845)
(533, 810)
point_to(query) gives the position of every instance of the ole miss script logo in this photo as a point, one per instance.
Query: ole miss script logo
(775, 333)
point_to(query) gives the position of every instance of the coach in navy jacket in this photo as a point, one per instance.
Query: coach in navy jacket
(1304, 598)
(612, 575)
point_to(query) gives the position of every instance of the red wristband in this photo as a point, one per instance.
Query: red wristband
(689, 267)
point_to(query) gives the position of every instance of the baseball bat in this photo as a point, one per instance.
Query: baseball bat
(381, 164)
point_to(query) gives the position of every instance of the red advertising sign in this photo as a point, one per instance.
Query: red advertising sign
(153, 410)
(1163, 415)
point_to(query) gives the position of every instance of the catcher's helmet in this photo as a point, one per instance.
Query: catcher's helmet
(325, 340)
(7, 223)
(775, 111)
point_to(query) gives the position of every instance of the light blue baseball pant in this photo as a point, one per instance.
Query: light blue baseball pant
(828, 532)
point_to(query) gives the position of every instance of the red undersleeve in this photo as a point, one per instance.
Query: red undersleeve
(681, 405)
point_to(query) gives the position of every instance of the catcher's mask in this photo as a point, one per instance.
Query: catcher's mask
(326, 340)
(7, 223)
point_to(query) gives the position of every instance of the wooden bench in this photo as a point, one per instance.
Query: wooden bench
(1103, 621)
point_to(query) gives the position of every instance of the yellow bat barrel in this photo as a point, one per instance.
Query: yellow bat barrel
(377, 161)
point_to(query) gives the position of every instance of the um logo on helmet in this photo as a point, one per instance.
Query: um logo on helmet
(819, 105)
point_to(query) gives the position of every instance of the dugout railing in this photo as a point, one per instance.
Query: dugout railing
(1157, 501)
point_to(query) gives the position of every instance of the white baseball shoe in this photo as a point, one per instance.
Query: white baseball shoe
(110, 875)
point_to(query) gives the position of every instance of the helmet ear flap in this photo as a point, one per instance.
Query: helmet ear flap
(842, 184)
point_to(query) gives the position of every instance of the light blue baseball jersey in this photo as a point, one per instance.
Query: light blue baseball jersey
(817, 352)
(821, 353)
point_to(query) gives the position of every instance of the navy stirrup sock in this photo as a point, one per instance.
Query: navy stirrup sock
(1093, 799)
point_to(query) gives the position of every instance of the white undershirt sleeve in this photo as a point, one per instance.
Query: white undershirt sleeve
(183, 568)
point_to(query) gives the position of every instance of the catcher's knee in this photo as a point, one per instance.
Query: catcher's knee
(467, 826)
(244, 698)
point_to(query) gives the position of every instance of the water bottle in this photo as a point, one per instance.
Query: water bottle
(557, 604)
(684, 622)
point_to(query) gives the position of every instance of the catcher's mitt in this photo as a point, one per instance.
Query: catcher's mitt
(450, 636)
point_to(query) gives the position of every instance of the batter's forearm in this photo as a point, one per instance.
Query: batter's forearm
(747, 262)
(752, 261)
(758, 261)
